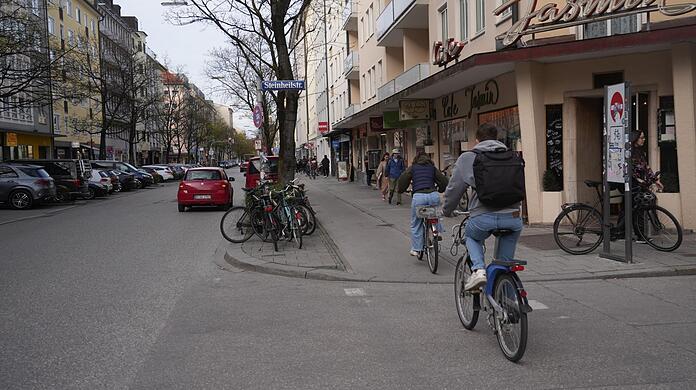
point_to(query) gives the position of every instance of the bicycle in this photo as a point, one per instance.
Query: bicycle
(241, 222)
(505, 299)
(578, 228)
(288, 216)
(431, 237)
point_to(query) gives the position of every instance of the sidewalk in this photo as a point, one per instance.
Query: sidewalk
(372, 242)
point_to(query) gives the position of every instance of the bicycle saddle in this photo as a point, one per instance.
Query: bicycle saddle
(592, 183)
(501, 232)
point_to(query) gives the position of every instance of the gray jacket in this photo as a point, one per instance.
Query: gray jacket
(463, 178)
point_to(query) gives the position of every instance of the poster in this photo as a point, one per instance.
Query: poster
(343, 170)
(616, 119)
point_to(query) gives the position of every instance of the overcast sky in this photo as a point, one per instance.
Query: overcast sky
(184, 47)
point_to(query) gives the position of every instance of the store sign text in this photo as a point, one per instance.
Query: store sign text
(443, 54)
(551, 16)
(478, 97)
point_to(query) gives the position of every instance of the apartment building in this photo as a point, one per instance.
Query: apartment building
(432, 71)
(73, 27)
(25, 119)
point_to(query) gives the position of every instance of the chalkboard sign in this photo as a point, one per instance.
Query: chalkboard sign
(554, 139)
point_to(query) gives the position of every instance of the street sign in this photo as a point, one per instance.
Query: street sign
(11, 139)
(616, 133)
(75, 145)
(258, 116)
(257, 144)
(323, 128)
(275, 85)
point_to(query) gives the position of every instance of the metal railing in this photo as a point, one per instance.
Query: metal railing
(390, 14)
(351, 61)
(349, 11)
(352, 109)
(413, 75)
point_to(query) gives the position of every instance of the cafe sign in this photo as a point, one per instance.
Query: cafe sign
(414, 109)
(553, 16)
(444, 53)
(476, 98)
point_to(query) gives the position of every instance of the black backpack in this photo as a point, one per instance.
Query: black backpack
(499, 177)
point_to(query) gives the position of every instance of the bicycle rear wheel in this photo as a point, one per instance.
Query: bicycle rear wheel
(512, 329)
(578, 229)
(432, 247)
(466, 302)
(309, 221)
(658, 227)
(236, 226)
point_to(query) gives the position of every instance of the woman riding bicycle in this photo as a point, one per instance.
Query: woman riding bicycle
(425, 181)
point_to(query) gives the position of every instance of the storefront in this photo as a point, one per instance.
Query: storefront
(19, 145)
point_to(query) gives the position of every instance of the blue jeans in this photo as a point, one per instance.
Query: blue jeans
(479, 228)
(431, 199)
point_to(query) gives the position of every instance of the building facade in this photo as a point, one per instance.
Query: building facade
(431, 71)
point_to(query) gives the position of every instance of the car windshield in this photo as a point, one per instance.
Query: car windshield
(130, 167)
(35, 172)
(203, 175)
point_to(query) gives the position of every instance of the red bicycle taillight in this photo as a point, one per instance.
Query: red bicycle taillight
(523, 293)
(268, 209)
(298, 215)
(433, 221)
(517, 268)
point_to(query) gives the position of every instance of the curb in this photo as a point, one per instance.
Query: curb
(251, 264)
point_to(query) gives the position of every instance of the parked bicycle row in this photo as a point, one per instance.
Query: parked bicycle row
(27, 183)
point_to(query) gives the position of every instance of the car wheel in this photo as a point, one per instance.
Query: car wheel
(138, 184)
(182, 208)
(92, 194)
(21, 200)
(61, 195)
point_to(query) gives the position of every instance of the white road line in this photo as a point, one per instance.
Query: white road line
(536, 305)
(354, 292)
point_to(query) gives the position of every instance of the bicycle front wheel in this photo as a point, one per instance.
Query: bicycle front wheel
(578, 229)
(511, 329)
(658, 227)
(309, 221)
(236, 225)
(467, 303)
(432, 248)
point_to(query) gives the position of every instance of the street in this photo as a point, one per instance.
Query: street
(128, 293)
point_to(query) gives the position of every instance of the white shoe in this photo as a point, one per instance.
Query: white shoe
(414, 253)
(477, 279)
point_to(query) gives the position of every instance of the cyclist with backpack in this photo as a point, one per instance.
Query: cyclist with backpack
(496, 176)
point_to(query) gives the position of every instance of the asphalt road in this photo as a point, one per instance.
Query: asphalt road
(125, 293)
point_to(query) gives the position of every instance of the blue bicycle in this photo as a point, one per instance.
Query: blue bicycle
(504, 297)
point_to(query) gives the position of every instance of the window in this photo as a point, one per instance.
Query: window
(7, 172)
(69, 7)
(373, 81)
(464, 19)
(71, 37)
(371, 19)
(92, 26)
(35, 7)
(443, 23)
(507, 12)
(480, 16)
(363, 30)
(79, 15)
(56, 123)
(51, 26)
(379, 73)
(363, 88)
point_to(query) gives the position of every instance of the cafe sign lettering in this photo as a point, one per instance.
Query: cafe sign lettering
(477, 97)
(553, 16)
(447, 52)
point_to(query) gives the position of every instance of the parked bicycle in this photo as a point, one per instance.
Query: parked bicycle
(578, 228)
(431, 237)
(504, 297)
(289, 218)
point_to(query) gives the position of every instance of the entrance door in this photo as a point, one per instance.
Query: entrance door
(590, 134)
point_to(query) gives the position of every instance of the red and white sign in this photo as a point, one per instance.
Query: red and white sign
(258, 116)
(309, 145)
(617, 107)
(616, 132)
(257, 144)
(323, 127)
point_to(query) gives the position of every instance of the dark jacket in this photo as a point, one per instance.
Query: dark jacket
(425, 177)
(325, 162)
(395, 167)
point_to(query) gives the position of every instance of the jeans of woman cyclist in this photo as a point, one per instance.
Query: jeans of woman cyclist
(419, 200)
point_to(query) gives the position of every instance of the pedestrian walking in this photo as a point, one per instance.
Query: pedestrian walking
(368, 171)
(395, 167)
(382, 178)
(325, 166)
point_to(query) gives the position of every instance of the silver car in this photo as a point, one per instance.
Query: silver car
(23, 185)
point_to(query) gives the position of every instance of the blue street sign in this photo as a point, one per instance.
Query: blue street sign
(282, 85)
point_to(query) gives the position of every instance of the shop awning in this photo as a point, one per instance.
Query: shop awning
(483, 66)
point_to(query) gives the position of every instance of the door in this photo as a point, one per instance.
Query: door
(8, 180)
(590, 137)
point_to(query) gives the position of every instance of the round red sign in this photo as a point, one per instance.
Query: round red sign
(258, 116)
(617, 107)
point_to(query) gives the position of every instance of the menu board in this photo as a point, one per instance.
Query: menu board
(554, 139)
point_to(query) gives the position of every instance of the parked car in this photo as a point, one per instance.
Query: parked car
(225, 164)
(142, 179)
(70, 176)
(101, 178)
(114, 179)
(205, 187)
(162, 170)
(127, 180)
(96, 190)
(243, 166)
(152, 172)
(253, 173)
(178, 171)
(22, 185)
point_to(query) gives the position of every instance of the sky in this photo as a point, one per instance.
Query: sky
(182, 47)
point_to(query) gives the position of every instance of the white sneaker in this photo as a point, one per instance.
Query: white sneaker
(477, 280)
(414, 253)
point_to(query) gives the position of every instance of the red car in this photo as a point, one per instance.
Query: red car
(205, 187)
(253, 172)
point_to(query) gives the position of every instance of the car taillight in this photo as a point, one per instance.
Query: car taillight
(105, 181)
(43, 182)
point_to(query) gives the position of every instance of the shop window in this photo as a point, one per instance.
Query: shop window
(553, 177)
(507, 119)
(601, 80)
(667, 142)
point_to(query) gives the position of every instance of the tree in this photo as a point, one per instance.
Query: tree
(246, 22)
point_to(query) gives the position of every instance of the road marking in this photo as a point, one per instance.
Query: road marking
(536, 305)
(354, 292)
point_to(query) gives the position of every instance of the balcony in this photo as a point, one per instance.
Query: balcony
(351, 68)
(350, 16)
(352, 109)
(397, 16)
(404, 80)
